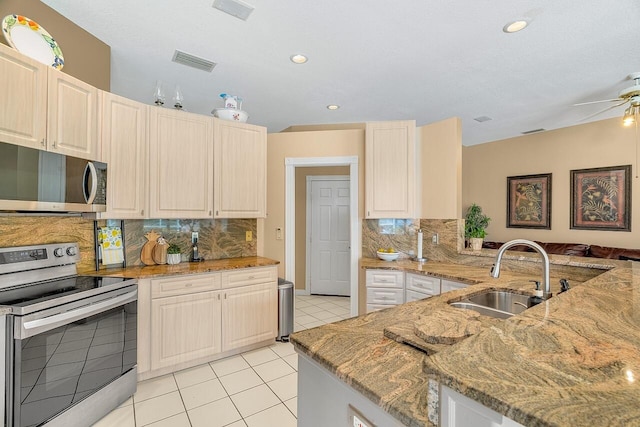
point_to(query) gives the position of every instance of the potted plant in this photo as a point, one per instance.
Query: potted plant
(475, 223)
(173, 254)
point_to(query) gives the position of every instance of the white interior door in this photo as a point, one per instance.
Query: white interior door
(329, 236)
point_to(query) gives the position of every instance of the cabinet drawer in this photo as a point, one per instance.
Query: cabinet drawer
(385, 278)
(248, 276)
(448, 285)
(424, 284)
(376, 307)
(415, 296)
(385, 296)
(182, 285)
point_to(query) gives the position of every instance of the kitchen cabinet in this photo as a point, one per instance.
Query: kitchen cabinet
(240, 170)
(249, 306)
(72, 116)
(385, 288)
(180, 164)
(23, 99)
(187, 320)
(449, 285)
(390, 170)
(185, 328)
(44, 108)
(420, 286)
(124, 149)
(460, 411)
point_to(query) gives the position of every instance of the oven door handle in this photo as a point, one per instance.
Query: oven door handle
(34, 327)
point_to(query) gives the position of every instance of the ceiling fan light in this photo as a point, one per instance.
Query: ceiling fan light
(629, 117)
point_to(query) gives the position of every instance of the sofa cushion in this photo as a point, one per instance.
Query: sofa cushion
(596, 251)
(496, 245)
(574, 249)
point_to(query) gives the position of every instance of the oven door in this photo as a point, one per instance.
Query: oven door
(64, 355)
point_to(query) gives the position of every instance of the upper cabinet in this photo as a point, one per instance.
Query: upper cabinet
(46, 109)
(124, 148)
(180, 164)
(390, 172)
(72, 117)
(240, 172)
(23, 99)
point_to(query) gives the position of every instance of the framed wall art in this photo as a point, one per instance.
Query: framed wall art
(529, 201)
(601, 198)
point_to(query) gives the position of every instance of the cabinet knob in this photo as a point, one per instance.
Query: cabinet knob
(210, 213)
(54, 144)
(142, 212)
(252, 277)
(218, 297)
(42, 142)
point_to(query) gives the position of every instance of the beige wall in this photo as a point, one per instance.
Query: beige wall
(441, 169)
(598, 144)
(85, 57)
(301, 215)
(338, 143)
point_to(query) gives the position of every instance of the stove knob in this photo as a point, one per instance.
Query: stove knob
(58, 252)
(71, 251)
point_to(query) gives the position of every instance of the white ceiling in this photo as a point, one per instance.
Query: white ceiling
(379, 60)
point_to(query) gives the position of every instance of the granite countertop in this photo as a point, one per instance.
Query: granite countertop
(569, 361)
(142, 272)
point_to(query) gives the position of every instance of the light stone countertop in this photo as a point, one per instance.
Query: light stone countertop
(567, 362)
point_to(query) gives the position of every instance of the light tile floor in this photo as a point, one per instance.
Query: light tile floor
(254, 389)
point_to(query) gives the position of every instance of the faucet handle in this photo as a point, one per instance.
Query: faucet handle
(564, 285)
(537, 283)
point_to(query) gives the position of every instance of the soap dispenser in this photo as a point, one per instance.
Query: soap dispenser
(194, 251)
(537, 294)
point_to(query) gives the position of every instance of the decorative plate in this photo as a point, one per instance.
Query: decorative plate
(26, 36)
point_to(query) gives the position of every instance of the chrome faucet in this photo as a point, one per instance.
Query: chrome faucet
(495, 270)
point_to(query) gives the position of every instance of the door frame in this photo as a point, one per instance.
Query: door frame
(310, 179)
(290, 213)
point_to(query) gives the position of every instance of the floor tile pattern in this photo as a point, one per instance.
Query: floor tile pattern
(254, 389)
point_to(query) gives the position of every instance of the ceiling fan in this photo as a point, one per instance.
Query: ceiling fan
(629, 95)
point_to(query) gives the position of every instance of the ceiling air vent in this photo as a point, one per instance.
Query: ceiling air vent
(193, 61)
(527, 132)
(234, 8)
(482, 119)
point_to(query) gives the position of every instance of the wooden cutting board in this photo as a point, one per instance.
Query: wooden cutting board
(147, 249)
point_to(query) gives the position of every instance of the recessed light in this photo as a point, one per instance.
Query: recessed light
(332, 107)
(515, 26)
(298, 58)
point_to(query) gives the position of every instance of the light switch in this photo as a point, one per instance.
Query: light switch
(278, 233)
(356, 419)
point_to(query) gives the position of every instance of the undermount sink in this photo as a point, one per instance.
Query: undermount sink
(499, 304)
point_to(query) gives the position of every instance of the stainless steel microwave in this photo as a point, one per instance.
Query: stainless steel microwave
(42, 181)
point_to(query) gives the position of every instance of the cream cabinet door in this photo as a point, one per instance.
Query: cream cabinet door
(23, 99)
(180, 164)
(184, 328)
(390, 173)
(249, 315)
(72, 117)
(240, 172)
(124, 148)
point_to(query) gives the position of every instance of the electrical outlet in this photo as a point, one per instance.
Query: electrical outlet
(435, 239)
(248, 236)
(194, 236)
(278, 233)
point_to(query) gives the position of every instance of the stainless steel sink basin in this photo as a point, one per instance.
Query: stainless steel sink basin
(499, 304)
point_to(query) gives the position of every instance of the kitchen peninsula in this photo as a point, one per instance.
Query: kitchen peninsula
(570, 361)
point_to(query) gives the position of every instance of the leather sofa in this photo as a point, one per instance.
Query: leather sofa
(576, 249)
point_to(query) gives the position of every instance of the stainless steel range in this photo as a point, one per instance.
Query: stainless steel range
(71, 340)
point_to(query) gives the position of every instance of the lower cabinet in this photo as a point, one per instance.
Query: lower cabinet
(185, 328)
(189, 319)
(449, 285)
(249, 315)
(457, 410)
(386, 288)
